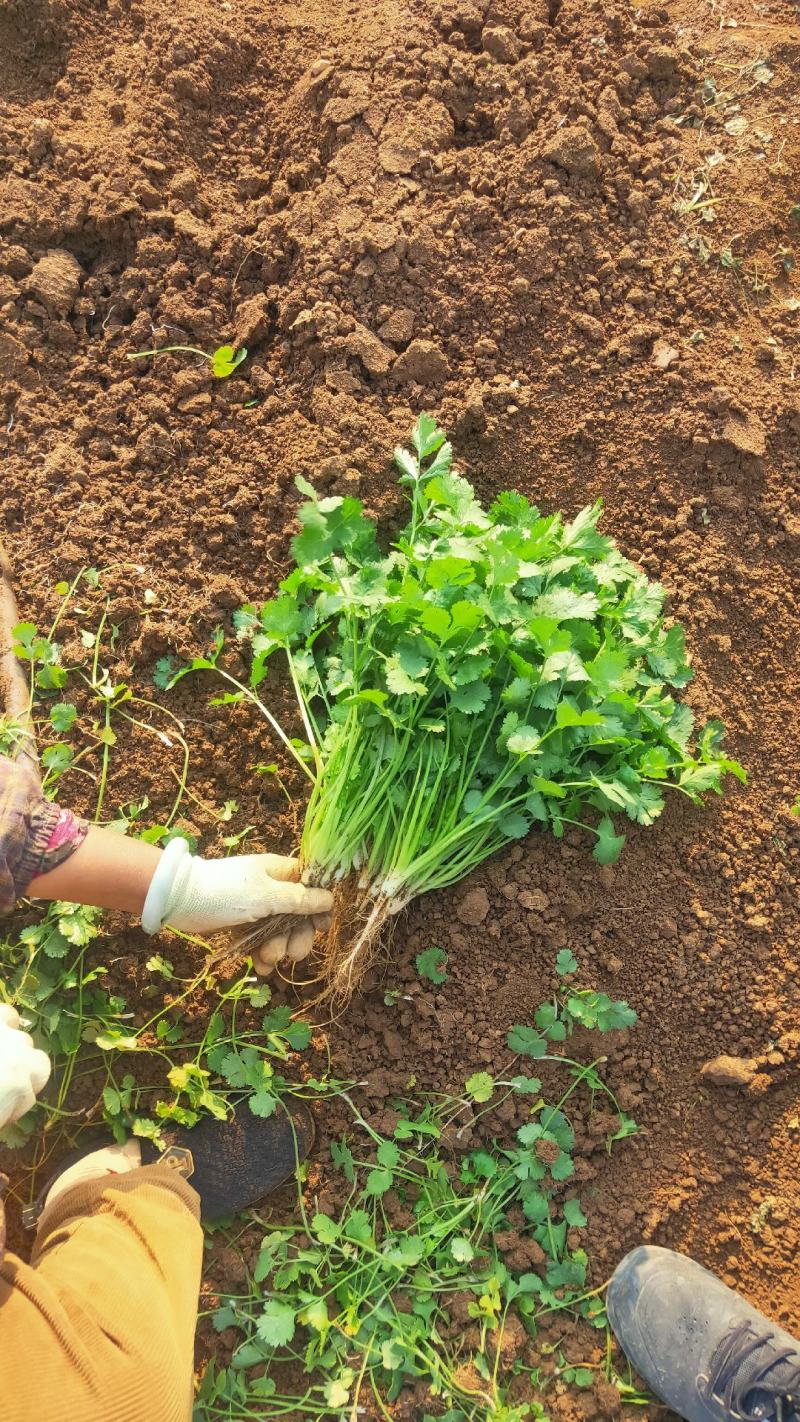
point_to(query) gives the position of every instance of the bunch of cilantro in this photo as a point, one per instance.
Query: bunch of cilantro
(495, 671)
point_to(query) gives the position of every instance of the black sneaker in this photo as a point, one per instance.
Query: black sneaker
(232, 1164)
(698, 1345)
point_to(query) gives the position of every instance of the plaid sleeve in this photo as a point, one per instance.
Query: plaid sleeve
(35, 835)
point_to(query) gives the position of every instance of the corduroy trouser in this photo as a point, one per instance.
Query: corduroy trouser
(99, 1327)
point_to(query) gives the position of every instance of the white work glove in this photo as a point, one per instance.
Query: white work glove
(24, 1069)
(205, 896)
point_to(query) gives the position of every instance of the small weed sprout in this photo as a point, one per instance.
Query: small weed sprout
(728, 261)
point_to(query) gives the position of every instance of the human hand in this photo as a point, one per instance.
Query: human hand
(204, 896)
(24, 1069)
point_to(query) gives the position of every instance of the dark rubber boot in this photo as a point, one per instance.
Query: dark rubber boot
(235, 1163)
(698, 1345)
(231, 1164)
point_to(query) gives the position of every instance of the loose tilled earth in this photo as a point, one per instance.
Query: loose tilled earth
(565, 228)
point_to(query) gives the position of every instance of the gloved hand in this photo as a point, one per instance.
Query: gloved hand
(24, 1069)
(204, 896)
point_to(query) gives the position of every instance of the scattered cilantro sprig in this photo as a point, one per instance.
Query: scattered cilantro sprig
(52, 976)
(428, 1270)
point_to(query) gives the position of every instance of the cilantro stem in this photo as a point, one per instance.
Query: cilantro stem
(267, 714)
(167, 350)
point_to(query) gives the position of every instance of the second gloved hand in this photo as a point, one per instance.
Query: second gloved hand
(205, 896)
(24, 1069)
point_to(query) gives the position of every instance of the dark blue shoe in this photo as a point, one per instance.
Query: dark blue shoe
(700, 1348)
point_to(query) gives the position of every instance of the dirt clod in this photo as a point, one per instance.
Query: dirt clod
(664, 355)
(423, 363)
(473, 908)
(746, 434)
(55, 280)
(729, 1071)
(501, 43)
(412, 132)
(575, 149)
(374, 355)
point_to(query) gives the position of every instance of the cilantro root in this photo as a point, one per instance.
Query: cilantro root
(494, 671)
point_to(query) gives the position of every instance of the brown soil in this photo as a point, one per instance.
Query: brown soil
(468, 207)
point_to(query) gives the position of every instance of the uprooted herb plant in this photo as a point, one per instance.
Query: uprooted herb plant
(495, 670)
(439, 1263)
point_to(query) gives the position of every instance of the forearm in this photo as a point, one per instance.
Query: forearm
(108, 869)
(46, 853)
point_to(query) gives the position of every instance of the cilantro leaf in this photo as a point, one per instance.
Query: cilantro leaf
(399, 681)
(609, 845)
(276, 1326)
(574, 1215)
(526, 1041)
(62, 717)
(480, 1086)
(263, 1103)
(565, 604)
(526, 1085)
(471, 698)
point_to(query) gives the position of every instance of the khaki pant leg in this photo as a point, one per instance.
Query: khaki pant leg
(99, 1326)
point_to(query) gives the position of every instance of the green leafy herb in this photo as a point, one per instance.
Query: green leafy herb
(492, 671)
(62, 717)
(480, 1086)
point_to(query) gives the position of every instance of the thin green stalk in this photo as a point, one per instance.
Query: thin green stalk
(311, 733)
(267, 714)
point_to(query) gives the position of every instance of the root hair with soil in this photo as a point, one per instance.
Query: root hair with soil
(346, 949)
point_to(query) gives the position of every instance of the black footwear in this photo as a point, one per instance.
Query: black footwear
(235, 1163)
(698, 1345)
(231, 1164)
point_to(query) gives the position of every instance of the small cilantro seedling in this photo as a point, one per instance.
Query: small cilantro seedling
(729, 261)
(480, 1086)
(572, 1007)
(43, 655)
(432, 964)
(566, 963)
(392, 996)
(62, 717)
(224, 360)
(160, 965)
